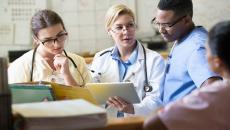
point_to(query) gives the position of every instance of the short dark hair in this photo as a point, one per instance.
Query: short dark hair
(218, 41)
(43, 19)
(180, 7)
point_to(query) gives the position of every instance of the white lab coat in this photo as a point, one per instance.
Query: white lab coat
(105, 69)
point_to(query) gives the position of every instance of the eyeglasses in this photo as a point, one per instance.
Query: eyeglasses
(166, 26)
(60, 39)
(120, 28)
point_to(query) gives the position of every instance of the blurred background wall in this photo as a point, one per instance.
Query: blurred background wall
(84, 20)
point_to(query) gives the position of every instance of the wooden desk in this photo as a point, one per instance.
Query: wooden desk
(127, 123)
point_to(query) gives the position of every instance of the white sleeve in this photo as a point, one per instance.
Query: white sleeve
(151, 101)
(94, 68)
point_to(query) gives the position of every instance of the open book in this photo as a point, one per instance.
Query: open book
(61, 115)
(42, 91)
(96, 93)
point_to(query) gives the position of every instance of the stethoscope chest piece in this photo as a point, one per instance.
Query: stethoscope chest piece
(148, 88)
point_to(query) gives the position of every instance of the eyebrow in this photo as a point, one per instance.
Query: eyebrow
(48, 38)
(124, 24)
(154, 19)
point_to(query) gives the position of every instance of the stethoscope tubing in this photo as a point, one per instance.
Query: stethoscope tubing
(33, 60)
(147, 86)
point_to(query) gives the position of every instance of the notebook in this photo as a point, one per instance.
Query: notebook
(102, 91)
(25, 93)
(47, 91)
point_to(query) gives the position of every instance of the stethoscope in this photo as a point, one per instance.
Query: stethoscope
(147, 86)
(33, 59)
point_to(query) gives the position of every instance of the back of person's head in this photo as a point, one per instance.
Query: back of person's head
(219, 39)
(114, 12)
(43, 19)
(179, 7)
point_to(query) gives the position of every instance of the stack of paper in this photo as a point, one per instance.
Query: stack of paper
(61, 115)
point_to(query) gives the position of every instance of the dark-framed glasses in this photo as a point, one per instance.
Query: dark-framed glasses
(166, 26)
(120, 28)
(60, 39)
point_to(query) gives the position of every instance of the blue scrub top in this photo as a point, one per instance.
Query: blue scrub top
(187, 67)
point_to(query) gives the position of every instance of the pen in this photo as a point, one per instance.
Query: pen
(106, 105)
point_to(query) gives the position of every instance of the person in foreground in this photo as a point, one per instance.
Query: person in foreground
(128, 61)
(187, 67)
(48, 61)
(206, 108)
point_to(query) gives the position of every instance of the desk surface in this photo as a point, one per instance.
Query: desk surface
(127, 123)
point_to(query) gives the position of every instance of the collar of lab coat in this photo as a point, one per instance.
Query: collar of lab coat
(137, 66)
(140, 55)
(132, 59)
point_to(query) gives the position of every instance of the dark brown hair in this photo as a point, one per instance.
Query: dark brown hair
(43, 19)
(218, 41)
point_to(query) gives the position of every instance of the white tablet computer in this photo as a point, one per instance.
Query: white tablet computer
(102, 91)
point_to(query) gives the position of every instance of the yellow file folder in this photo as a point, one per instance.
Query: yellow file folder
(38, 91)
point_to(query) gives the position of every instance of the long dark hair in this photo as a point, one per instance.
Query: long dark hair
(43, 19)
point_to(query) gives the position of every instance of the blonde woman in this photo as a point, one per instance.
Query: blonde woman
(128, 61)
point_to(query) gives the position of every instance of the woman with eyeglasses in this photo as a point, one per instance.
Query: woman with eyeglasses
(48, 61)
(128, 61)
